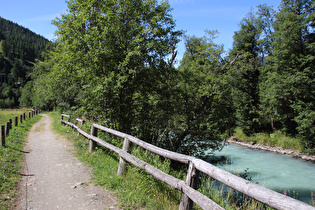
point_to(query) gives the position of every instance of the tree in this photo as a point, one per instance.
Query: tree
(264, 23)
(17, 48)
(203, 110)
(27, 95)
(46, 88)
(6, 48)
(244, 73)
(114, 53)
(288, 88)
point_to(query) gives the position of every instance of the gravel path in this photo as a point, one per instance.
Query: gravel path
(54, 179)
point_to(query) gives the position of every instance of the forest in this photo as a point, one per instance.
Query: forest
(20, 49)
(113, 62)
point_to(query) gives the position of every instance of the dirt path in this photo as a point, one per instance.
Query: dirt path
(54, 179)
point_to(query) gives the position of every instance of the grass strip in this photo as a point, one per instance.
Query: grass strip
(277, 139)
(5, 115)
(136, 189)
(11, 161)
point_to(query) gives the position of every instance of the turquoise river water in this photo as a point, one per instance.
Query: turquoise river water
(280, 173)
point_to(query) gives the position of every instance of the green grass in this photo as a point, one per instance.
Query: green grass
(277, 139)
(228, 198)
(136, 189)
(5, 115)
(11, 160)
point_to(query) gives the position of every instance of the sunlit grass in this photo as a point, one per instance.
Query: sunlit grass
(277, 139)
(136, 189)
(11, 160)
(228, 198)
(5, 115)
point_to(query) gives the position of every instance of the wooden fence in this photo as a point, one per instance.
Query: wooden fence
(5, 129)
(190, 194)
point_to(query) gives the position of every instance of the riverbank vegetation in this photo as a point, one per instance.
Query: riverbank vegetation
(277, 139)
(114, 63)
(11, 159)
(136, 188)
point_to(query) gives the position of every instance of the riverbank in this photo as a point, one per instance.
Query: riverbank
(253, 145)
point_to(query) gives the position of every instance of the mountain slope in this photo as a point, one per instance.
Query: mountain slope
(19, 50)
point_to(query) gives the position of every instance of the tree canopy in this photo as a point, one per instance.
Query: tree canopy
(287, 89)
(112, 64)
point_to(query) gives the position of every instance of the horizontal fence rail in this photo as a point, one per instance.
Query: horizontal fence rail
(257, 192)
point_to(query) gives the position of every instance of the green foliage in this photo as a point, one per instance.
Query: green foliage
(244, 72)
(19, 49)
(27, 95)
(227, 197)
(110, 60)
(44, 87)
(203, 103)
(270, 76)
(287, 90)
(110, 65)
(278, 139)
(21, 42)
(11, 161)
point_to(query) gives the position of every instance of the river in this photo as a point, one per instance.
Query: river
(280, 173)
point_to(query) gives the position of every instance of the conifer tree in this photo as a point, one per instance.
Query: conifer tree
(244, 71)
(288, 87)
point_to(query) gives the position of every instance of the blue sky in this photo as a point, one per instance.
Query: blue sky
(192, 16)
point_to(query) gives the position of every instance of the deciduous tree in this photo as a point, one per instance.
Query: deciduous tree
(204, 109)
(115, 53)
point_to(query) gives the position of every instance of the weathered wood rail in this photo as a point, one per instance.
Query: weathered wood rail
(257, 192)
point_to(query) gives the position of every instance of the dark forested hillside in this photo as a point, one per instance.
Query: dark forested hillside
(19, 48)
(22, 41)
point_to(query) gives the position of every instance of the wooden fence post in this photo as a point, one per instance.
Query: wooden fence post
(21, 118)
(29, 114)
(16, 121)
(7, 130)
(10, 120)
(92, 143)
(24, 116)
(2, 135)
(75, 123)
(191, 180)
(122, 163)
(81, 124)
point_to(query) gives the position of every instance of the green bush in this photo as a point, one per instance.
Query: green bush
(277, 139)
